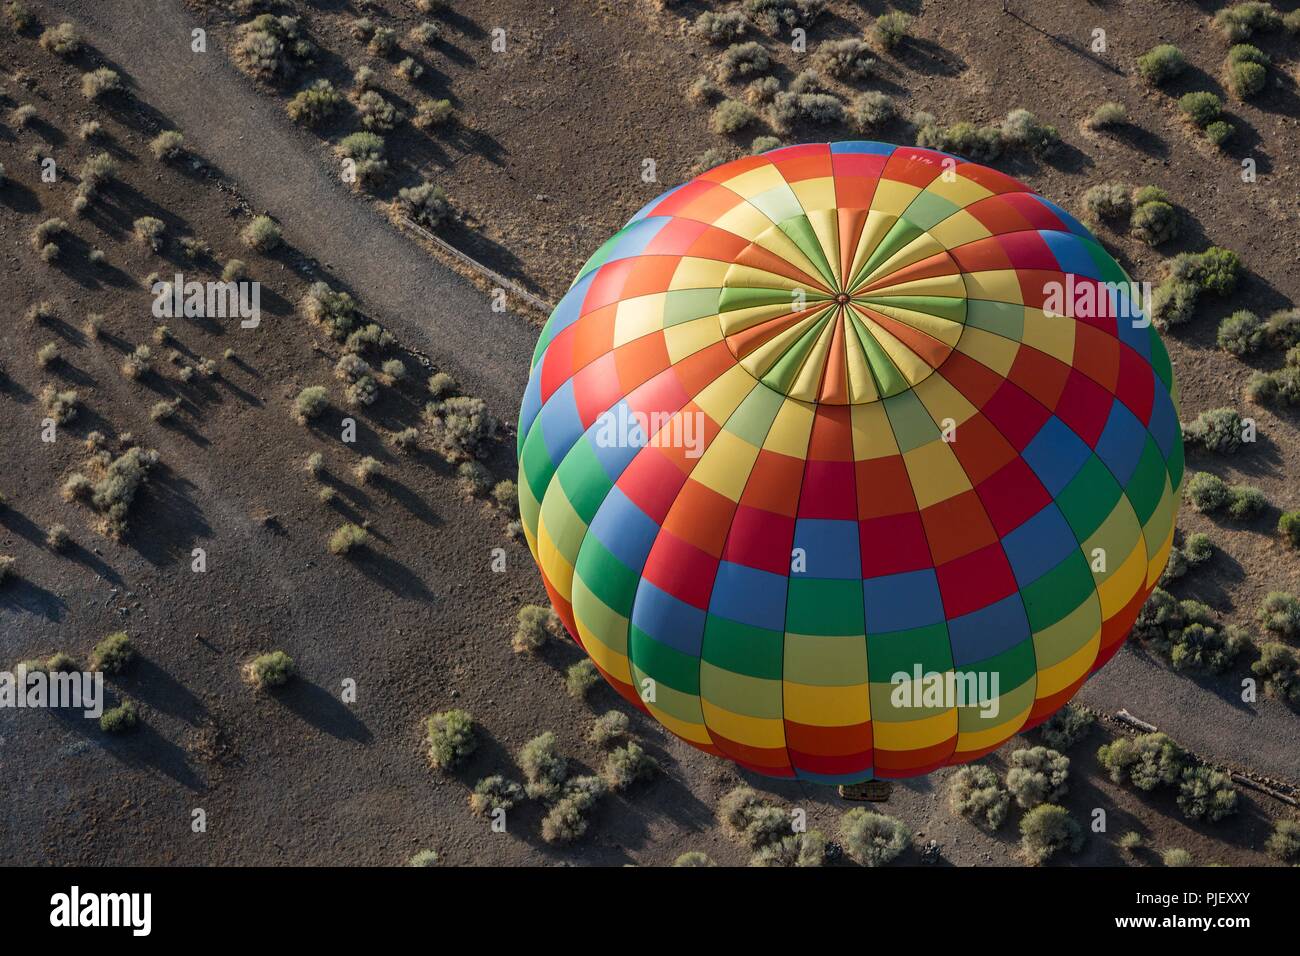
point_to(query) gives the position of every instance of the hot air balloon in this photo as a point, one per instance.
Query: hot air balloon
(849, 461)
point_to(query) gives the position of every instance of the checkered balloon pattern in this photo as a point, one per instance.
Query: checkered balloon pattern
(808, 439)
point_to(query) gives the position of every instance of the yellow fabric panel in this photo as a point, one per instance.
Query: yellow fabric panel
(694, 732)
(936, 473)
(687, 338)
(873, 437)
(822, 706)
(790, 429)
(751, 731)
(745, 221)
(862, 385)
(932, 325)
(914, 734)
(990, 350)
(724, 394)
(1118, 589)
(640, 316)
(767, 354)
(748, 277)
(825, 224)
(874, 229)
(892, 197)
(756, 180)
(557, 570)
(942, 401)
(913, 367)
(817, 196)
(1156, 567)
(951, 286)
(960, 191)
(1053, 336)
(696, 273)
(726, 465)
(1057, 677)
(737, 320)
(807, 384)
(922, 247)
(958, 229)
(997, 285)
(603, 631)
(968, 740)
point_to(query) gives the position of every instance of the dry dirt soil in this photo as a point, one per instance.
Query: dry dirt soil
(543, 165)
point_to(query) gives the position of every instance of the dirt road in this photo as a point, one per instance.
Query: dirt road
(279, 168)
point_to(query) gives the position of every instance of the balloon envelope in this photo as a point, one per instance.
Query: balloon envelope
(849, 460)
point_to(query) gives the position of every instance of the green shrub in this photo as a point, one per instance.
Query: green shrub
(1108, 201)
(113, 654)
(873, 839)
(1199, 548)
(1218, 430)
(62, 40)
(694, 858)
(8, 563)
(773, 15)
(847, 59)
(1202, 107)
(797, 849)
(423, 858)
(741, 60)
(1284, 842)
(348, 538)
(1279, 667)
(566, 821)
(580, 678)
(271, 670)
(495, 793)
(1241, 21)
(545, 770)
(1219, 132)
(1246, 502)
(1288, 526)
(870, 110)
(314, 104)
(1146, 761)
(117, 720)
(977, 794)
(113, 494)
(377, 113)
(310, 403)
(1037, 775)
(1022, 130)
(1067, 727)
(1242, 333)
(1283, 328)
(261, 234)
(1130, 841)
(1206, 794)
(430, 113)
(823, 109)
(451, 738)
(336, 311)
(1047, 830)
(1108, 115)
(979, 143)
(1208, 493)
(750, 820)
(608, 727)
(1246, 78)
(535, 626)
(1161, 64)
(20, 18)
(1154, 221)
(730, 116)
(168, 145)
(1176, 856)
(892, 28)
(720, 27)
(1280, 614)
(506, 495)
(100, 82)
(1205, 647)
(628, 764)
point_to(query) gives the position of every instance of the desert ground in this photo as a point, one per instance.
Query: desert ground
(541, 162)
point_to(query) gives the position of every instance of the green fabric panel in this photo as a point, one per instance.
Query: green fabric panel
(1058, 592)
(821, 606)
(1089, 498)
(608, 578)
(912, 424)
(898, 651)
(584, 481)
(1148, 482)
(742, 648)
(664, 664)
